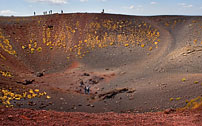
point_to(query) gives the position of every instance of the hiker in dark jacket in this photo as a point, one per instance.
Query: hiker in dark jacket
(87, 89)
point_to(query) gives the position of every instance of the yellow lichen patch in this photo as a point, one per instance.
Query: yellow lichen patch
(23, 47)
(73, 31)
(29, 96)
(196, 105)
(126, 45)
(24, 94)
(8, 102)
(79, 52)
(44, 40)
(39, 49)
(44, 93)
(196, 82)
(195, 41)
(150, 48)
(29, 46)
(32, 50)
(31, 91)
(48, 97)
(49, 43)
(36, 90)
(35, 44)
(2, 57)
(5, 74)
(68, 58)
(7, 96)
(193, 103)
(171, 99)
(183, 79)
(34, 95)
(166, 24)
(17, 98)
(5, 45)
(178, 98)
(134, 34)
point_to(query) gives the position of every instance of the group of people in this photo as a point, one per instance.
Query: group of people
(49, 12)
(45, 12)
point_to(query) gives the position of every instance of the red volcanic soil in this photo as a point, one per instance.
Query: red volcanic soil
(132, 64)
(19, 117)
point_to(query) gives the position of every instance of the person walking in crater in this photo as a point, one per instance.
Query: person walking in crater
(87, 89)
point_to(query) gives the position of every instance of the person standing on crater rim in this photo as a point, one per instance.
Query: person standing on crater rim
(103, 11)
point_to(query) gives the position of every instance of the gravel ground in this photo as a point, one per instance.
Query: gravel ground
(28, 117)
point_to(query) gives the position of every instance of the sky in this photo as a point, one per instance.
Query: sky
(128, 7)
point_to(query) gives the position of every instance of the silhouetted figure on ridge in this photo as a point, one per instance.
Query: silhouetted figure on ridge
(45, 13)
(50, 12)
(103, 11)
